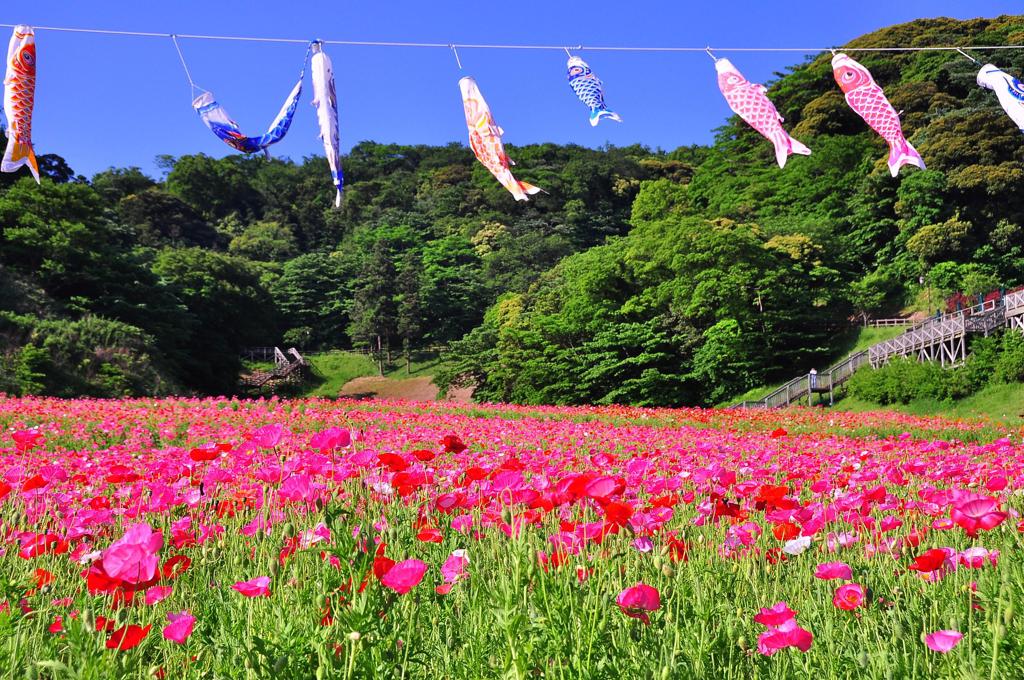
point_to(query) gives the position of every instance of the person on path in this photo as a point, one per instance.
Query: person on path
(813, 377)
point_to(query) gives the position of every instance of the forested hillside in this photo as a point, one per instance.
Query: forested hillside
(120, 284)
(744, 274)
(642, 277)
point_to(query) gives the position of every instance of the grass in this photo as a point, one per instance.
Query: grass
(925, 301)
(998, 403)
(333, 370)
(856, 340)
(423, 364)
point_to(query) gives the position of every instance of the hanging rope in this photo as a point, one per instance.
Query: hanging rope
(368, 43)
(456, 53)
(188, 74)
(968, 56)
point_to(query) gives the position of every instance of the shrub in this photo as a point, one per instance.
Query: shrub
(1010, 364)
(901, 381)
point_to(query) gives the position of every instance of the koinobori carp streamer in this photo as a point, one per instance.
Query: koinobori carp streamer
(485, 140)
(868, 101)
(19, 97)
(750, 102)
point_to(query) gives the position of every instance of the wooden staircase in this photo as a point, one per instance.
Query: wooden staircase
(939, 338)
(287, 368)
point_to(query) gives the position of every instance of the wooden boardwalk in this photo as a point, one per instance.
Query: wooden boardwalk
(939, 338)
(287, 368)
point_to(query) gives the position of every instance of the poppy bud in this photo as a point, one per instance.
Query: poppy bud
(289, 529)
(1008, 613)
(742, 642)
(668, 571)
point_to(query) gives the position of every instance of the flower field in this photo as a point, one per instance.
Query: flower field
(319, 539)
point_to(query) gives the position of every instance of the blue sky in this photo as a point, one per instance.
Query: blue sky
(116, 101)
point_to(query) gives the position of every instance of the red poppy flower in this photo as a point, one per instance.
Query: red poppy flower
(42, 544)
(127, 637)
(43, 577)
(423, 454)
(617, 513)
(392, 461)
(175, 567)
(452, 444)
(476, 473)
(100, 503)
(929, 561)
(204, 453)
(785, 531)
(34, 483)
(382, 565)
(430, 535)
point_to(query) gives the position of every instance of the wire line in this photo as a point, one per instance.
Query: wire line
(485, 46)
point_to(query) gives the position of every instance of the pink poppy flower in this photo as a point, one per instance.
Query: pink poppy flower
(133, 557)
(849, 596)
(788, 634)
(643, 544)
(975, 558)
(268, 436)
(157, 594)
(943, 640)
(828, 571)
(257, 587)
(404, 576)
(454, 568)
(180, 626)
(636, 601)
(776, 615)
(330, 439)
(978, 513)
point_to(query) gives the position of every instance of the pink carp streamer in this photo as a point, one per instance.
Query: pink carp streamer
(749, 101)
(866, 98)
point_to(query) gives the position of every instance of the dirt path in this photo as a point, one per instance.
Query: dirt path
(414, 389)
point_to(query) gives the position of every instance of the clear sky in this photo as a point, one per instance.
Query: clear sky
(104, 100)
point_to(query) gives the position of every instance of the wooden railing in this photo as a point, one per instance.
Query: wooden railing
(938, 338)
(889, 323)
(285, 369)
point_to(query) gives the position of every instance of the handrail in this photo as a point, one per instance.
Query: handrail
(890, 323)
(980, 318)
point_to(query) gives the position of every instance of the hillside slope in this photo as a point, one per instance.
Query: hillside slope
(749, 273)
